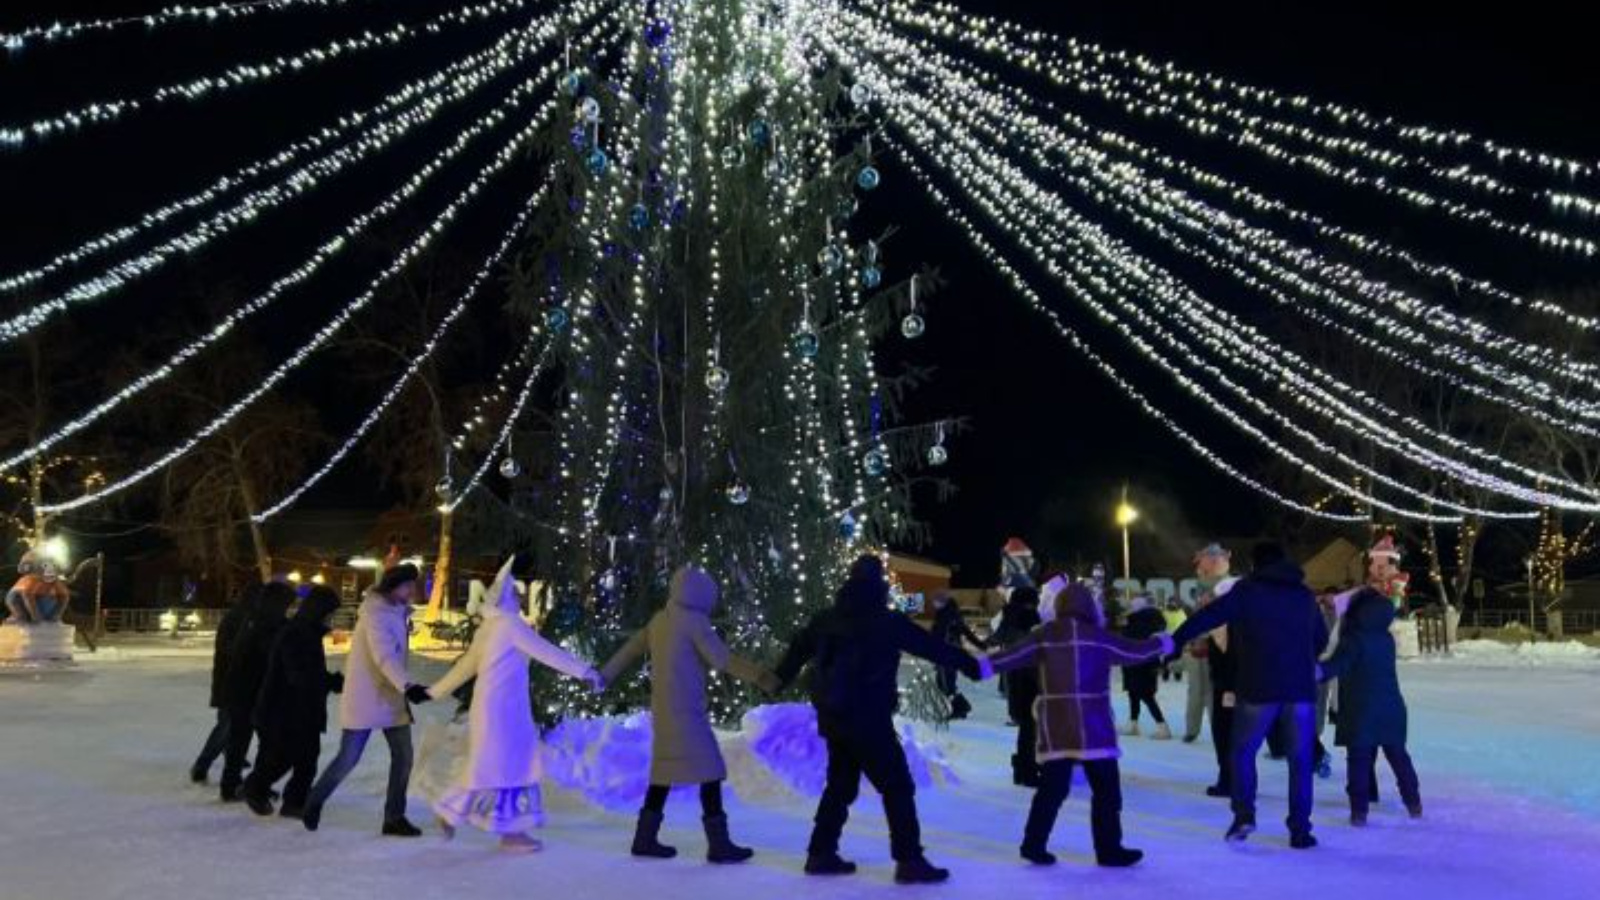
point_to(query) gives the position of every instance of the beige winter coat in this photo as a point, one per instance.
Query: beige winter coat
(682, 647)
(375, 675)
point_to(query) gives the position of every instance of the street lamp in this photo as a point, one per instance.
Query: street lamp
(1126, 516)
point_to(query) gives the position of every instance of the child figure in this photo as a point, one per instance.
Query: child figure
(1372, 712)
(1140, 681)
(1074, 655)
(682, 646)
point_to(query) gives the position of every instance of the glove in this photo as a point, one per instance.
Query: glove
(1166, 644)
(417, 695)
(985, 668)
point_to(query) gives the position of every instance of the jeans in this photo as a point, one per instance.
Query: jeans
(1363, 766)
(1105, 806)
(1251, 724)
(280, 755)
(47, 609)
(655, 799)
(216, 743)
(235, 757)
(877, 754)
(351, 745)
(1199, 696)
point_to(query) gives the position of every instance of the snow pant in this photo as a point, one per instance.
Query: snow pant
(1251, 724)
(1199, 696)
(1105, 806)
(351, 746)
(235, 758)
(282, 755)
(877, 754)
(1146, 699)
(1027, 742)
(1362, 775)
(655, 798)
(216, 743)
(1222, 739)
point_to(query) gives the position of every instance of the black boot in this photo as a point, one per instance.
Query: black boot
(1243, 826)
(829, 864)
(1118, 857)
(400, 827)
(197, 774)
(646, 834)
(260, 803)
(1302, 840)
(719, 847)
(311, 817)
(1039, 856)
(918, 870)
(1024, 771)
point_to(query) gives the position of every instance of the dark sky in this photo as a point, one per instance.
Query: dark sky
(1051, 440)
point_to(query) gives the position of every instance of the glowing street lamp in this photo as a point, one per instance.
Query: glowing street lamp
(1126, 516)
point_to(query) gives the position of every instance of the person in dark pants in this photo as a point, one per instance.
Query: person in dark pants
(1224, 698)
(1019, 617)
(1073, 657)
(854, 651)
(247, 670)
(292, 712)
(222, 653)
(1277, 632)
(951, 627)
(1141, 680)
(1372, 711)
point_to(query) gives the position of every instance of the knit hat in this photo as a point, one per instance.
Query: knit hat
(1213, 550)
(395, 576)
(1385, 548)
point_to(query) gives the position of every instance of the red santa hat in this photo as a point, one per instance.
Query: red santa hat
(1385, 549)
(1016, 547)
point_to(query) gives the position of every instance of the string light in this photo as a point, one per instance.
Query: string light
(61, 32)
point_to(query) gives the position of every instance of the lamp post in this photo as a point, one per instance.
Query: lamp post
(1126, 516)
(1529, 561)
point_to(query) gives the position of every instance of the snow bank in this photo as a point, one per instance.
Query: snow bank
(1558, 654)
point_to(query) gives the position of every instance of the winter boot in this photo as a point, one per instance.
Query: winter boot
(918, 870)
(1325, 767)
(1118, 858)
(520, 843)
(1162, 733)
(259, 803)
(401, 827)
(1218, 790)
(1039, 856)
(1414, 810)
(719, 847)
(311, 817)
(1129, 729)
(446, 830)
(1024, 771)
(829, 864)
(197, 774)
(1302, 840)
(960, 707)
(1242, 827)
(1358, 818)
(292, 812)
(646, 834)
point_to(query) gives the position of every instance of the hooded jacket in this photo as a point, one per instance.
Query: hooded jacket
(683, 646)
(1019, 618)
(375, 676)
(855, 646)
(1275, 633)
(1073, 655)
(227, 635)
(294, 694)
(502, 741)
(1144, 622)
(252, 649)
(1372, 711)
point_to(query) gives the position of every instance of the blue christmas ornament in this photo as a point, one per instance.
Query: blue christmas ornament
(808, 344)
(913, 326)
(760, 132)
(639, 217)
(847, 526)
(868, 178)
(738, 493)
(572, 83)
(831, 259)
(876, 462)
(557, 318)
(597, 162)
(871, 277)
(657, 32)
(732, 157)
(579, 136)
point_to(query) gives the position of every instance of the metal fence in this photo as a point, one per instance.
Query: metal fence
(150, 620)
(1571, 621)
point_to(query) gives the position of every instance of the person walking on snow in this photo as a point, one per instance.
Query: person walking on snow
(247, 670)
(498, 790)
(292, 711)
(1212, 569)
(682, 647)
(951, 627)
(221, 657)
(854, 649)
(1018, 619)
(1142, 680)
(1277, 632)
(1174, 615)
(376, 693)
(1073, 656)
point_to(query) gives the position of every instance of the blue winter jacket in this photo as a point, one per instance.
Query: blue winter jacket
(1275, 634)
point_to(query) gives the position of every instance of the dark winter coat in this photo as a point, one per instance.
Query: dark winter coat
(1372, 712)
(227, 633)
(1017, 621)
(252, 649)
(1074, 655)
(294, 692)
(855, 649)
(1275, 634)
(951, 627)
(1143, 678)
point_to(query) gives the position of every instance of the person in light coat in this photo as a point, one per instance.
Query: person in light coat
(377, 689)
(498, 789)
(682, 646)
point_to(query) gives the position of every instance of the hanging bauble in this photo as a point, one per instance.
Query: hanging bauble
(597, 162)
(639, 217)
(657, 32)
(718, 379)
(579, 136)
(666, 494)
(830, 259)
(510, 468)
(760, 132)
(777, 168)
(868, 178)
(589, 110)
(847, 526)
(732, 157)
(443, 489)
(808, 344)
(572, 82)
(913, 326)
(860, 94)
(871, 277)
(876, 462)
(738, 493)
(556, 318)
(938, 455)
(848, 206)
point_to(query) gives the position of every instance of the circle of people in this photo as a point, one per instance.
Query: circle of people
(1267, 648)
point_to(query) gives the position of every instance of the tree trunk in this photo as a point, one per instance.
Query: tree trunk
(258, 538)
(440, 595)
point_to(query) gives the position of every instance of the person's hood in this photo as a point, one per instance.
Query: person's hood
(1281, 572)
(1048, 597)
(1372, 613)
(316, 607)
(274, 602)
(376, 604)
(501, 599)
(693, 590)
(1076, 601)
(863, 595)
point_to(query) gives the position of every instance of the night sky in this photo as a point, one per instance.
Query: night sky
(1051, 441)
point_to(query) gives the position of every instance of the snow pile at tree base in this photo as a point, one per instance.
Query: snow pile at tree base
(776, 754)
(1564, 654)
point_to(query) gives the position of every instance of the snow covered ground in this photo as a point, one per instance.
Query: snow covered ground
(94, 803)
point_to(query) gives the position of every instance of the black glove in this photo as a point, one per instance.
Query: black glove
(416, 694)
(336, 682)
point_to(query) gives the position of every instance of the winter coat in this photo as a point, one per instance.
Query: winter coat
(502, 740)
(856, 646)
(227, 634)
(252, 649)
(682, 646)
(294, 694)
(1174, 619)
(1275, 632)
(1143, 678)
(950, 626)
(375, 675)
(1022, 685)
(1372, 712)
(1073, 656)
